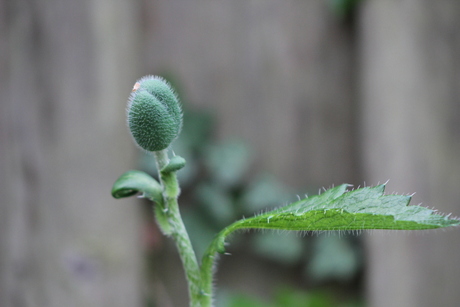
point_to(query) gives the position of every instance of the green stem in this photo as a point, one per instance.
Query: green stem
(207, 263)
(171, 192)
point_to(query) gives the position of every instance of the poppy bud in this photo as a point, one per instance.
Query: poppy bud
(154, 113)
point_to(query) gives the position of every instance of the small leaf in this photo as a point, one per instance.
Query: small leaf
(175, 164)
(133, 182)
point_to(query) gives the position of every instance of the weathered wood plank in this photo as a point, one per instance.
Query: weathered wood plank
(66, 70)
(411, 98)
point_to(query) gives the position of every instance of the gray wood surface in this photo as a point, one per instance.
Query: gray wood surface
(66, 69)
(410, 81)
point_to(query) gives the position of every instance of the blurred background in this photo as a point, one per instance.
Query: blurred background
(281, 98)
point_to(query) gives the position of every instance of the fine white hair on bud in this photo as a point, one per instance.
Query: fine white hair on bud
(154, 113)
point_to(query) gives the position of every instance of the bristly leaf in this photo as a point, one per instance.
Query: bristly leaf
(336, 209)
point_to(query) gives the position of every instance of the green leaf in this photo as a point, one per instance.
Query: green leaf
(134, 182)
(337, 209)
(366, 208)
(176, 163)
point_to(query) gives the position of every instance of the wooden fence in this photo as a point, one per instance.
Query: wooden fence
(322, 99)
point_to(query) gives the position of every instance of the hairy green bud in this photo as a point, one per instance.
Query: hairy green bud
(154, 113)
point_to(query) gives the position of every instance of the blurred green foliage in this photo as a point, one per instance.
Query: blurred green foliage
(333, 258)
(289, 297)
(343, 8)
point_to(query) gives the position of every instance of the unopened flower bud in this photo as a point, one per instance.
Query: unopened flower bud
(154, 113)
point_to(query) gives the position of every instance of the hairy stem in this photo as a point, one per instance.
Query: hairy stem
(208, 262)
(171, 192)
